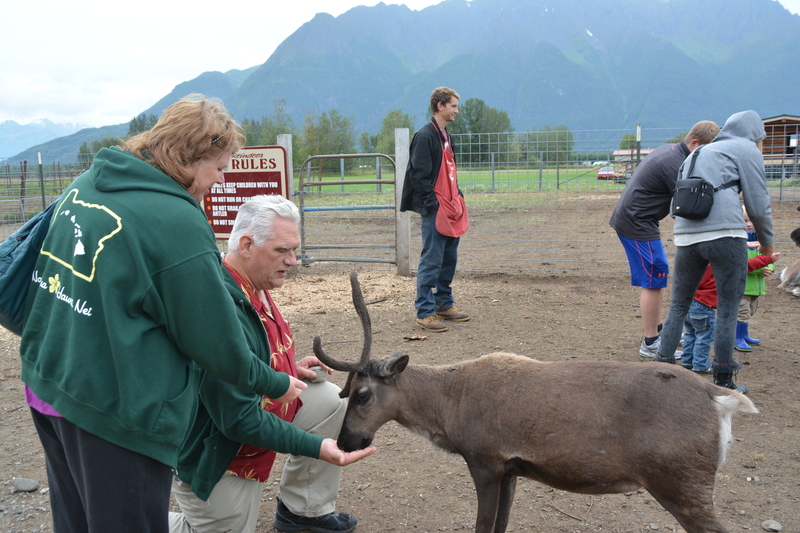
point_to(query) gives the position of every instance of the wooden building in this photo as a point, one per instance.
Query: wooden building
(782, 134)
(780, 146)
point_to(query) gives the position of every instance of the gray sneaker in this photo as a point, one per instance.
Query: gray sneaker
(650, 351)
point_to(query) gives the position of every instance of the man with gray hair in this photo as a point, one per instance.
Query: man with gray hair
(233, 444)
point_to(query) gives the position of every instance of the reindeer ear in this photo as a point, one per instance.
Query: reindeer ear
(795, 235)
(392, 365)
(345, 392)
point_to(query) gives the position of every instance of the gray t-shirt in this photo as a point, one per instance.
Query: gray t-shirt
(647, 196)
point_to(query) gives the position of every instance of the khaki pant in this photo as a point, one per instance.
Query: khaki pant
(308, 487)
(747, 307)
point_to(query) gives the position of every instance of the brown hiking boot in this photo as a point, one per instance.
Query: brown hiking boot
(452, 314)
(431, 324)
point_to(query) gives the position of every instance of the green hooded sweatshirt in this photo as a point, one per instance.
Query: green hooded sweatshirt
(127, 303)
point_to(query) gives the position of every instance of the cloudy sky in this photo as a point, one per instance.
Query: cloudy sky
(98, 63)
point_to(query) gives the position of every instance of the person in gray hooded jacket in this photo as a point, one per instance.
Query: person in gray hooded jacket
(721, 238)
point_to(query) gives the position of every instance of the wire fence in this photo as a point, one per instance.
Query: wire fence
(539, 202)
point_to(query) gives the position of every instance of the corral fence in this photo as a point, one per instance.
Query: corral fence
(536, 204)
(380, 250)
(539, 202)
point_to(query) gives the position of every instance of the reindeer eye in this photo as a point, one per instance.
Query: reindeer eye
(363, 395)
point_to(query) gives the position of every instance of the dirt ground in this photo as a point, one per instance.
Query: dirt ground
(409, 486)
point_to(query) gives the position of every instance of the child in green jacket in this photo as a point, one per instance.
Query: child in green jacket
(755, 286)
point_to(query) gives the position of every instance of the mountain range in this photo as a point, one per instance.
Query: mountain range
(599, 64)
(15, 137)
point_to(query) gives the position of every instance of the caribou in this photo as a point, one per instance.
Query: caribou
(587, 427)
(790, 277)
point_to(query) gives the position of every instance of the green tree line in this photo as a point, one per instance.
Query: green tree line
(484, 135)
(137, 125)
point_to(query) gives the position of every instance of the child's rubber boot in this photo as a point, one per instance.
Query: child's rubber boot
(740, 344)
(747, 338)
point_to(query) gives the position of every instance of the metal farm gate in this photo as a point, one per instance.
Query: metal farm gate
(367, 233)
(354, 219)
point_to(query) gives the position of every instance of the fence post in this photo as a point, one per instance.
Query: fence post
(341, 172)
(378, 174)
(558, 173)
(540, 171)
(402, 220)
(41, 180)
(638, 144)
(24, 167)
(285, 141)
(491, 157)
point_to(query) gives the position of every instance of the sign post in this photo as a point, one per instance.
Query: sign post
(253, 170)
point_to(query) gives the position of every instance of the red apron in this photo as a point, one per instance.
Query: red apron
(452, 219)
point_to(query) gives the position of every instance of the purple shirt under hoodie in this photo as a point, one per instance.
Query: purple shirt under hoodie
(37, 403)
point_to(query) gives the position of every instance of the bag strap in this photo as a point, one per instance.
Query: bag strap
(691, 163)
(726, 185)
(691, 167)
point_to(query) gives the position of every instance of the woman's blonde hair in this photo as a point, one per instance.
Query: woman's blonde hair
(191, 129)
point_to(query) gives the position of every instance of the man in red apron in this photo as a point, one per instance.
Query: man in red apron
(431, 189)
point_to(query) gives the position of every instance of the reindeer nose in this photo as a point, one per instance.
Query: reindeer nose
(349, 443)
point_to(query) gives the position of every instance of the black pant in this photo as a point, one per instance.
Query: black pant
(728, 259)
(99, 487)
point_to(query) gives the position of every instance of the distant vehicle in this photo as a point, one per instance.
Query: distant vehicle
(606, 173)
(623, 176)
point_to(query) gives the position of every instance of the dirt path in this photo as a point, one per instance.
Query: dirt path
(408, 486)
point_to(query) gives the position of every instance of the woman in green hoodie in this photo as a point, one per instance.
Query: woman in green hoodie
(127, 307)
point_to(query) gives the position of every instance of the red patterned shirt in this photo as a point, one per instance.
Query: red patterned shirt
(252, 462)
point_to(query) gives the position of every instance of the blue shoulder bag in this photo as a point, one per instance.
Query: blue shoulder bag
(18, 255)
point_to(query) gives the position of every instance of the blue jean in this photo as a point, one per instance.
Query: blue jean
(700, 324)
(437, 266)
(728, 259)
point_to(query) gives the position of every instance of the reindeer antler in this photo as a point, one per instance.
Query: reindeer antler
(366, 324)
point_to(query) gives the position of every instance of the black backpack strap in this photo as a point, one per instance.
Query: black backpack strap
(727, 185)
(691, 163)
(691, 167)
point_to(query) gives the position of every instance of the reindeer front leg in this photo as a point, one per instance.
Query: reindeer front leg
(508, 486)
(487, 481)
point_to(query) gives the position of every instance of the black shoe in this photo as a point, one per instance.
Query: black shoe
(725, 380)
(288, 522)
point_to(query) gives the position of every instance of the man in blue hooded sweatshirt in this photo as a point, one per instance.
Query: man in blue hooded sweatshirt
(721, 238)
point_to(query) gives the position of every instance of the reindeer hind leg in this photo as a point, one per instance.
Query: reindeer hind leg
(693, 509)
